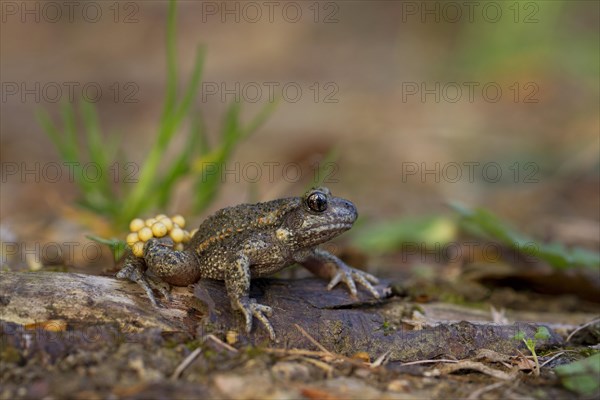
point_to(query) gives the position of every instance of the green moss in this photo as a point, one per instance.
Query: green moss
(11, 355)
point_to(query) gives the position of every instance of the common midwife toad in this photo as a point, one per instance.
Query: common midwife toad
(250, 241)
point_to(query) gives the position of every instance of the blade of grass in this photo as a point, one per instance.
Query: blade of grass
(231, 126)
(66, 145)
(110, 198)
(204, 146)
(70, 134)
(139, 197)
(207, 184)
(117, 246)
(171, 93)
(72, 154)
(52, 131)
(97, 151)
(483, 223)
(194, 83)
(172, 120)
(260, 118)
(180, 167)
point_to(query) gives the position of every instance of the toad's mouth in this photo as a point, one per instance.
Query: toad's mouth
(341, 225)
(327, 228)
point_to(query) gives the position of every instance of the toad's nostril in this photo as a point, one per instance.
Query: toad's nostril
(350, 207)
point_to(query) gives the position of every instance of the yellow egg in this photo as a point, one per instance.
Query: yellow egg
(179, 220)
(150, 221)
(167, 222)
(136, 224)
(192, 233)
(160, 216)
(159, 229)
(145, 234)
(186, 236)
(232, 337)
(132, 238)
(362, 356)
(177, 235)
(138, 249)
(178, 247)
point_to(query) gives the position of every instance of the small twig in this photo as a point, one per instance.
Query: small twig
(312, 340)
(552, 358)
(320, 364)
(535, 368)
(192, 356)
(498, 316)
(380, 360)
(324, 353)
(560, 351)
(327, 355)
(428, 362)
(485, 389)
(582, 327)
(521, 355)
(220, 343)
(477, 366)
(297, 352)
(185, 363)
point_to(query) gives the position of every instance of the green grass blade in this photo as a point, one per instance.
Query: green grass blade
(260, 118)
(71, 148)
(201, 133)
(97, 151)
(52, 131)
(171, 93)
(140, 197)
(180, 167)
(206, 189)
(231, 127)
(483, 223)
(207, 185)
(117, 246)
(406, 233)
(112, 147)
(194, 84)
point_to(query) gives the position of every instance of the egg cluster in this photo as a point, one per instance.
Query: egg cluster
(157, 227)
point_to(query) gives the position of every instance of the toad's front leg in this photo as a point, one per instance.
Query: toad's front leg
(316, 261)
(237, 283)
(134, 269)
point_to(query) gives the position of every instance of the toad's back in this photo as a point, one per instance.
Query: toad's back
(230, 225)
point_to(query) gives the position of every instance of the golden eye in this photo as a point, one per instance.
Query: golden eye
(317, 201)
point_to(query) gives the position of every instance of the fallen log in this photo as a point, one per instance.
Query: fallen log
(340, 323)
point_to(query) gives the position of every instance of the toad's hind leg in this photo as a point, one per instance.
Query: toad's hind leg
(180, 268)
(237, 283)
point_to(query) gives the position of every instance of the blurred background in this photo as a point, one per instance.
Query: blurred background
(416, 104)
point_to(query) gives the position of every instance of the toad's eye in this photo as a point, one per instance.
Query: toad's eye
(317, 202)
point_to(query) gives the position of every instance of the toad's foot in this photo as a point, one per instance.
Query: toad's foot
(134, 270)
(251, 308)
(348, 275)
(340, 271)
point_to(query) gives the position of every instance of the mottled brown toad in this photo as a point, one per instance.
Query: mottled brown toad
(248, 241)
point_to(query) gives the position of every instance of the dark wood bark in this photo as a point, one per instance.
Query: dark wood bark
(333, 318)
